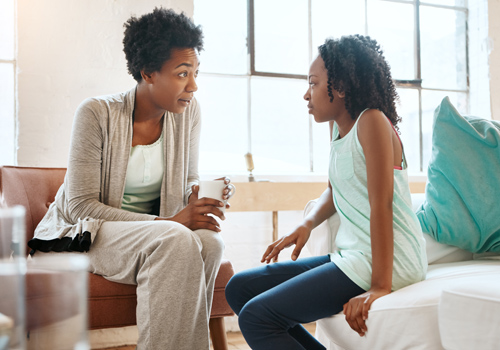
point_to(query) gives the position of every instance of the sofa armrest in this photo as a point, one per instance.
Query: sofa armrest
(322, 239)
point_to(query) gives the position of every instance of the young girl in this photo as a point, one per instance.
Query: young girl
(380, 243)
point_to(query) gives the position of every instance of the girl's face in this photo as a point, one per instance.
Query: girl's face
(172, 87)
(317, 94)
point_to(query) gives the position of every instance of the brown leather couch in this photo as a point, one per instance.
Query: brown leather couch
(109, 304)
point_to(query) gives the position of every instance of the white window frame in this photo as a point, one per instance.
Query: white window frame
(414, 84)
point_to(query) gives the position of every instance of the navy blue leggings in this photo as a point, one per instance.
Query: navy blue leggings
(273, 300)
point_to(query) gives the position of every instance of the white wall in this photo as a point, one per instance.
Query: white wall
(494, 57)
(69, 50)
(479, 48)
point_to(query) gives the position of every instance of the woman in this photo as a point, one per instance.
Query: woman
(130, 196)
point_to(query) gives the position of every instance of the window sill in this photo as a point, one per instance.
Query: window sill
(299, 177)
(286, 192)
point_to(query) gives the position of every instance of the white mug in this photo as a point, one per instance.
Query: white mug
(213, 189)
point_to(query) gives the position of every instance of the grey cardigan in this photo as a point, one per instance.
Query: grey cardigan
(93, 188)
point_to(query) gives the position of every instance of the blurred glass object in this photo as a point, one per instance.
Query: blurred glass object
(56, 302)
(12, 278)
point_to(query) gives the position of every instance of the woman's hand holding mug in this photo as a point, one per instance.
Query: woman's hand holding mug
(209, 197)
(220, 189)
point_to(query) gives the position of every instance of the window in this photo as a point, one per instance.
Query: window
(254, 70)
(7, 82)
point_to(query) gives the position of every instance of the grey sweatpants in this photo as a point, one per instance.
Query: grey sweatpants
(174, 269)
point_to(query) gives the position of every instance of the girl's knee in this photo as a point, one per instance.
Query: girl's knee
(236, 292)
(250, 315)
(231, 292)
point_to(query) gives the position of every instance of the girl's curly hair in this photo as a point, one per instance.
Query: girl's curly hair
(356, 65)
(149, 40)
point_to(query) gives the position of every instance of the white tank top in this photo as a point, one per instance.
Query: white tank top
(144, 177)
(347, 174)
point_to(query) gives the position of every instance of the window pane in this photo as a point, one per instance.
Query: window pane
(409, 127)
(225, 40)
(7, 29)
(7, 117)
(321, 147)
(281, 41)
(445, 2)
(392, 25)
(280, 125)
(335, 18)
(224, 140)
(443, 48)
(430, 101)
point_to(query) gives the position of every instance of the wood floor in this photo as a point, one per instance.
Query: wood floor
(235, 340)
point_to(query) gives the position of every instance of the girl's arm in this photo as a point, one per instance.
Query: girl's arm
(375, 135)
(323, 209)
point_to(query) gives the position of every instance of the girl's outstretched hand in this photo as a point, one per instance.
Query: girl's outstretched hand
(356, 309)
(298, 237)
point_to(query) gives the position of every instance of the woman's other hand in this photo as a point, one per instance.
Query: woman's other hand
(226, 191)
(298, 237)
(356, 309)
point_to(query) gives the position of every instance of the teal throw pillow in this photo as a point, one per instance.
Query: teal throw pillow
(462, 196)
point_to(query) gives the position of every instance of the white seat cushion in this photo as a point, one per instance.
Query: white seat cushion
(469, 315)
(408, 318)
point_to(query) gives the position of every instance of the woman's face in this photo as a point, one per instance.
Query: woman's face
(172, 87)
(317, 94)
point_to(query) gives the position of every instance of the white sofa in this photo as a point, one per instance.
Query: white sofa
(457, 306)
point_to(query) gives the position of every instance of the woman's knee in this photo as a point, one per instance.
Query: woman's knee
(211, 241)
(179, 236)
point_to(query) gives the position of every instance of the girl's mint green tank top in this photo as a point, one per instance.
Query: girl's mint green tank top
(347, 174)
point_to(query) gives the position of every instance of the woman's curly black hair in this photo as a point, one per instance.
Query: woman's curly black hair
(149, 40)
(356, 65)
